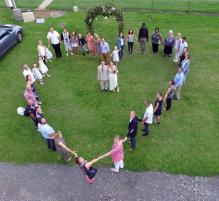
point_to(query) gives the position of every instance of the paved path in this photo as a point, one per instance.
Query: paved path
(44, 4)
(38, 182)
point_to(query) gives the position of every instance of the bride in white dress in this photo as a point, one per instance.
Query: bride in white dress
(113, 79)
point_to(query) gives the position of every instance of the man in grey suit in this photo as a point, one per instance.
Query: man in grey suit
(102, 75)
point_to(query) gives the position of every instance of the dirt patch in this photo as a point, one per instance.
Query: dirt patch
(48, 13)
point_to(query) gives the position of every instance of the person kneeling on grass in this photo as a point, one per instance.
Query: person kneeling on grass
(117, 153)
(87, 168)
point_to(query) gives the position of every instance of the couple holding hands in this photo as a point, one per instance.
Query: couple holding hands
(116, 152)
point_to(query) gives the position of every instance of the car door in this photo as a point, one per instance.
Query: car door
(7, 40)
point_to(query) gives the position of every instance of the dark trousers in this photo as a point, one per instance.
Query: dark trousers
(35, 121)
(121, 52)
(146, 128)
(130, 47)
(57, 50)
(155, 48)
(132, 141)
(169, 103)
(51, 144)
(44, 60)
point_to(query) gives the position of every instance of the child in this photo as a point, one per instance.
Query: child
(48, 55)
(43, 68)
(37, 74)
(115, 55)
(117, 153)
(158, 107)
(82, 44)
(65, 37)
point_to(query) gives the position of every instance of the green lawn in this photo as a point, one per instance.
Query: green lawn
(185, 142)
(24, 3)
(179, 5)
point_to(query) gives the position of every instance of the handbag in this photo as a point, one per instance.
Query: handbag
(21, 111)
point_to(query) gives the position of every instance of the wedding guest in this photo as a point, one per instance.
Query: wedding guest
(33, 88)
(49, 55)
(169, 42)
(97, 41)
(47, 133)
(29, 95)
(178, 42)
(158, 107)
(82, 44)
(62, 148)
(130, 40)
(87, 168)
(156, 39)
(103, 76)
(182, 47)
(37, 74)
(121, 44)
(117, 153)
(74, 43)
(178, 80)
(91, 43)
(65, 38)
(43, 68)
(41, 49)
(182, 57)
(185, 65)
(27, 71)
(148, 117)
(133, 128)
(39, 114)
(115, 55)
(113, 78)
(169, 95)
(143, 38)
(54, 40)
(105, 51)
(30, 110)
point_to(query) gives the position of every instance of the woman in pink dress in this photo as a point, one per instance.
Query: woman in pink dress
(91, 43)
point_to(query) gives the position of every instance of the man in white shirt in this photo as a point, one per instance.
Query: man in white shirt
(27, 71)
(148, 117)
(54, 39)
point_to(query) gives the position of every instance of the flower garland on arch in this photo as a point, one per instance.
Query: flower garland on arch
(105, 10)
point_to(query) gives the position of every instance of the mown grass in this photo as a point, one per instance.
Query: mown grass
(178, 5)
(24, 3)
(185, 142)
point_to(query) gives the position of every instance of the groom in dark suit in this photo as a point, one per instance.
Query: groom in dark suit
(133, 128)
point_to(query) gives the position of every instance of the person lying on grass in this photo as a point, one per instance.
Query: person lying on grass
(117, 153)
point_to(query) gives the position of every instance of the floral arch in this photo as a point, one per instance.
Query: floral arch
(105, 10)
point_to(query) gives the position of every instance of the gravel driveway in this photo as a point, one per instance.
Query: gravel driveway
(38, 182)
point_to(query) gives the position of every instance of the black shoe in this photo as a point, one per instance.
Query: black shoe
(145, 134)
